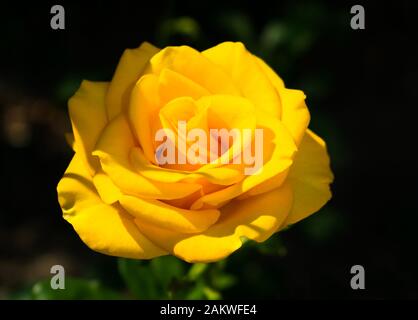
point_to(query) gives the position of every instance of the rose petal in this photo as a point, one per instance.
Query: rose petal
(244, 71)
(169, 217)
(131, 66)
(173, 85)
(88, 118)
(113, 150)
(107, 190)
(225, 175)
(310, 178)
(104, 228)
(143, 113)
(295, 114)
(195, 66)
(278, 149)
(256, 218)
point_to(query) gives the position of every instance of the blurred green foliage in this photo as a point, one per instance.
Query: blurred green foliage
(75, 288)
(162, 278)
(170, 278)
(184, 27)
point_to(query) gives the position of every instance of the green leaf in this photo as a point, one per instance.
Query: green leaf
(223, 281)
(185, 27)
(167, 268)
(211, 294)
(196, 271)
(196, 292)
(139, 280)
(273, 35)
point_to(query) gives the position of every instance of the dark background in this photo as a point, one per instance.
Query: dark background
(361, 89)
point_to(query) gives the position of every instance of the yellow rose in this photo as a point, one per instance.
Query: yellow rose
(122, 202)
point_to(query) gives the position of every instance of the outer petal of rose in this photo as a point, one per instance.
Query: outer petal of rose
(193, 65)
(269, 72)
(104, 228)
(88, 118)
(105, 187)
(113, 150)
(280, 159)
(169, 217)
(296, 119)
(266, 186)
(241, 66)
(295, 114)
(129, 70)
(69, 137)
(310, 178)
(256, 218)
